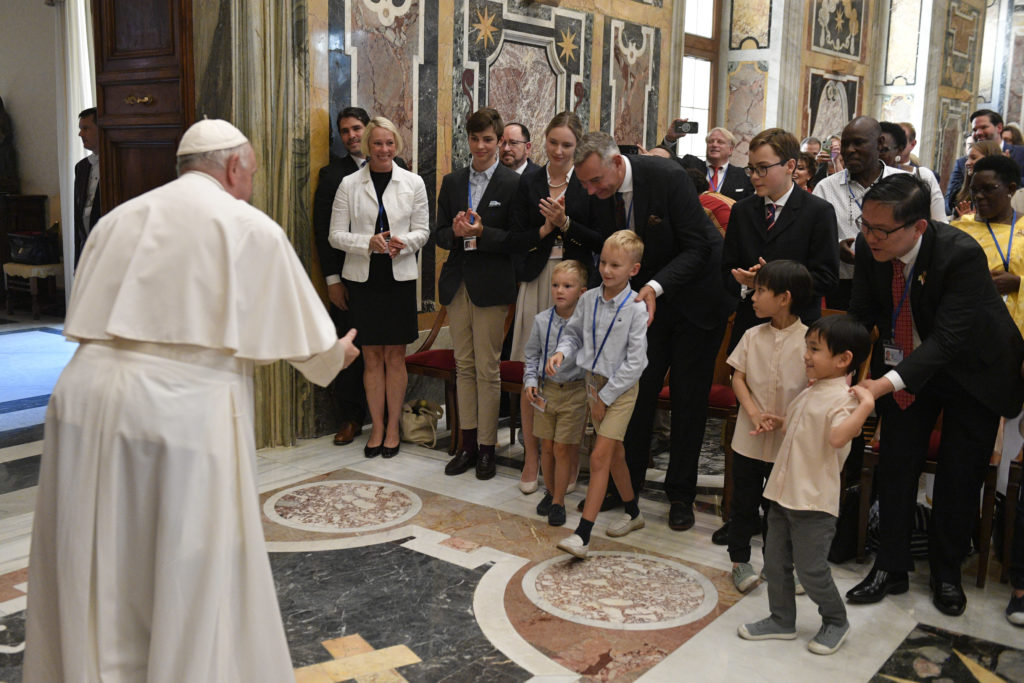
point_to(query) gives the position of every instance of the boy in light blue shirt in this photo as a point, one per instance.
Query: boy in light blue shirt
(607, 337)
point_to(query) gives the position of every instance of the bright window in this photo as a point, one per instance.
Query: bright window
(695, 103)
(700, 17)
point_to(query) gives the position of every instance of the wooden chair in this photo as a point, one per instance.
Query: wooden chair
(987, 503)
(439, 364)
(721, 404)
(1010, 513)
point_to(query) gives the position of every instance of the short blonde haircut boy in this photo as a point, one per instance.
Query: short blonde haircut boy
(628, 242)
(571, 267)
(380, 122)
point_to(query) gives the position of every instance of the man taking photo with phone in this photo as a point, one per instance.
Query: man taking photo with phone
(723, 177)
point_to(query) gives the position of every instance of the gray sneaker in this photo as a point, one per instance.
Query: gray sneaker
(743, 577)
(829, 638)
(766, 629)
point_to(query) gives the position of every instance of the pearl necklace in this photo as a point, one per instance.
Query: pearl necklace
(561, 184)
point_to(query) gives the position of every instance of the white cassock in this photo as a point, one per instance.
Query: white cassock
(148, 560)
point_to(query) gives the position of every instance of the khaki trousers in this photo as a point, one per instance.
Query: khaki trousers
(477, 334)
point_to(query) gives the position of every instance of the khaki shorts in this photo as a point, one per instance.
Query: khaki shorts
(617, 416)
(565, 412)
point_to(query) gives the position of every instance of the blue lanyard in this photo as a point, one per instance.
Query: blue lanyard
(547, 337)
(593, 327)
(850, 190)
(1009, 245)
(469, 196)
(711, 175)
(380, 216)
(906, 290)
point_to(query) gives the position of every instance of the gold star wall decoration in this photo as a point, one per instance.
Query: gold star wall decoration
(568, 45)
(485, 28)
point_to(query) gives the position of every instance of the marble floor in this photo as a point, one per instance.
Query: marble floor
(389, 570)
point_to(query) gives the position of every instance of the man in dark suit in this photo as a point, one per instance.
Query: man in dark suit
(515, 147)
(347, 390)
(985, 125)
(680, 281)
(781, 221)
(949, 347)
(722, 176)
(87, 181)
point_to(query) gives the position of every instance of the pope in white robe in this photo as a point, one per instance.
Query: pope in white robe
(148, 560)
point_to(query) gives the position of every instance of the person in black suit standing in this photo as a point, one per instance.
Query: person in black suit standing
(780, 221)
(985, 125)
(88, 208)
(477, 284)
(680, 282)
(514, 149)
(722, 176)
(946, 345)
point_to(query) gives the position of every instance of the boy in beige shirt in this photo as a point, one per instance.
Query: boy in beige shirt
(804, 483)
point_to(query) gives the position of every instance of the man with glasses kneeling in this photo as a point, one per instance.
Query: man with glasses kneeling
(946, 345)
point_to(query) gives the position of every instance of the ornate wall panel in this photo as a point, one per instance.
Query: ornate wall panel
(838, 27)
(751, 24)
(897, 108)
(963, 41)
(527, 61)
(952, 124)
(1015, 92)
(901, 54)
(629, 93)
(745, 106)
(831, 101)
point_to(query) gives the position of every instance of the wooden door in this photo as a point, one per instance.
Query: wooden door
(145, 92)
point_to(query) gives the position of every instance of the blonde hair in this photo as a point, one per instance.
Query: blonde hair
(571, 267)
(628, 242)
(379, 122)
(725, 133)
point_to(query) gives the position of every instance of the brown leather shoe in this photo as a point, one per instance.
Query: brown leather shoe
(349, 431)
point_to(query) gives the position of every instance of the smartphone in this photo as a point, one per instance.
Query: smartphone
(629, 149)
(685, 127)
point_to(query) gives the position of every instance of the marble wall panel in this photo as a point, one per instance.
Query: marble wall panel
(1015, 91)
(962, 43)
(902, 44)
(745, 106)
(831, 102)
(527, 60)
(838, 27)
(897, 108)
(628, 94)
(751, 24)
(949, 144)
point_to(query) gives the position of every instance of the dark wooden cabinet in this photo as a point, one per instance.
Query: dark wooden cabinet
(145, 91)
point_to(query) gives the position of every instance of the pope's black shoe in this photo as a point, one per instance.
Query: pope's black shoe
(680, 516)
(460, 463)
(948, 598)
(877, 585)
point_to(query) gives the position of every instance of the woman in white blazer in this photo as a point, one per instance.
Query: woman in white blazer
(380, 220)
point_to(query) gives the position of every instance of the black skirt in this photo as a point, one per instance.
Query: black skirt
(382, 309)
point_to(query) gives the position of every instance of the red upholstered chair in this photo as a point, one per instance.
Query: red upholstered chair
(721, 404)
(439, 364)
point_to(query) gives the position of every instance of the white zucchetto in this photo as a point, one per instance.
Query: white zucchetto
(209, 135)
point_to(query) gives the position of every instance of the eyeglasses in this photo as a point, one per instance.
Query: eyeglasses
(512, 143)
(760, 171)
(878, 233)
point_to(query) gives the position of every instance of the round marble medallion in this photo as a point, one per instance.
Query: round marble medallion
(342, 506)
(620, 590)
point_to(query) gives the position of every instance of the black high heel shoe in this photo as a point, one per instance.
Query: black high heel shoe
(373, 451)
(389, 451)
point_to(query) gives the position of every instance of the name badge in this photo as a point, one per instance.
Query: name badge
(539, 403)
(893, 354)
(556, 250)
(469, 243)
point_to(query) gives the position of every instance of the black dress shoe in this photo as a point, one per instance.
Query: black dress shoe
(460, 463)
(485, 465)
(389, 451)
(948, 598)
(877, 585)
(680, 516)
(610, 502)
(721, 535)
(372, 451)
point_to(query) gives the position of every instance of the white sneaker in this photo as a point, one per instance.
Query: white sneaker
(624, 524)
(574, 545)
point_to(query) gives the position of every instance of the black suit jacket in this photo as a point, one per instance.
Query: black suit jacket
(735, 185)
(589, 222)
(82, 169)
(966, 331)
(805, 231)
(488, 271)
(531, 167)
(332, 260)
(682, 250)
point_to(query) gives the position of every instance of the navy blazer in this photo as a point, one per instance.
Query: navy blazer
(588, 224)
(488, 271)
(82, 170)
(965, 330)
